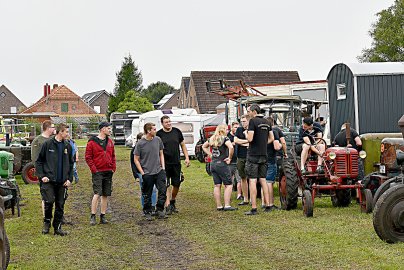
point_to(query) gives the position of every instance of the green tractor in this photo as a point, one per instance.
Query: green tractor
(8, 186)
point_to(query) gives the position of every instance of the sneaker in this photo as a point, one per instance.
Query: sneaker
(173, 208)
(168, 210)
(60, 232)
(243, 203)
(219, 208)
(148, 216)
(271, 208)
(46, 227)
(320, 169)
(230, 208)
(240, 198)
(263, 206)
(103, 219)
(251, 212)
(92, 220)
(161, 215)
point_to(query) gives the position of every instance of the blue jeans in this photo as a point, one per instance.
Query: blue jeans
(154, 194)
(271, 172)
(75, 174)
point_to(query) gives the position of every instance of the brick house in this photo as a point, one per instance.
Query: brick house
(171, 102)
(61, 101)
(9, 103)
(193, 93)
(98, 100)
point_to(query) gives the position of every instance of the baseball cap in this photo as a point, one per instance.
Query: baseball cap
(103, 124)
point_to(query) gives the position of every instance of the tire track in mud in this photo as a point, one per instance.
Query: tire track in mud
(162, 247)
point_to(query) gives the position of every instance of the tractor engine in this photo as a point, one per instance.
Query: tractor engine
(342, 163)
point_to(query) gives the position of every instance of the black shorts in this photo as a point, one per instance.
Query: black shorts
(102, 183)
(221, 173)
(256, 167)
(241, 167)
(173, 172)
(299, 149)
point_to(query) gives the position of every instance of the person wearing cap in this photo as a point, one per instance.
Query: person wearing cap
(100, 158)
(310, 134)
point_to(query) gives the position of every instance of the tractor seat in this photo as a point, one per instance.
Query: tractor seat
(400, 157)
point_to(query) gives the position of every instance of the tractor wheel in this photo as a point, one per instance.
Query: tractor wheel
(307, 203)
(342, 198)
(367, 201)
(207, 168)
(7, 251)
(28, 174)
(383, 188)
(288, 187)
(388, 215)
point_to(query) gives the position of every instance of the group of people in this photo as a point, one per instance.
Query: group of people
(244, 156)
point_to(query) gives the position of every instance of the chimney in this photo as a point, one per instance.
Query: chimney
(48, 88)
(55, 85)
(45, 90)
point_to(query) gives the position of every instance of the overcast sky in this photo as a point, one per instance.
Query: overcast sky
(82, 43)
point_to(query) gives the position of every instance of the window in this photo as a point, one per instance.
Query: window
(341, 91)
(13, 109)
(73, 107)
(65, 107)
(97, 109)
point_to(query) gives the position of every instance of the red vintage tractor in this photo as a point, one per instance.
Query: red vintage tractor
(337, 180)
(388, 214)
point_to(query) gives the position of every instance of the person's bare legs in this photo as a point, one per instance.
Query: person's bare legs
(270, 194)
(253, 192)
(216, 195)
(104, 204)
(304, 155)
(244, 188)
(264, 186)
(227, 195)
(94, 204)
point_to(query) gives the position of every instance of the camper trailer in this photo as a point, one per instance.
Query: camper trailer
(186, 120)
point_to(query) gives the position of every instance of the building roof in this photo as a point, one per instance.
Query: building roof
(90, 97)
(59, 93)
(164, 99)
(172, 102)
(378, 68)
(207, 102)
(5, 87)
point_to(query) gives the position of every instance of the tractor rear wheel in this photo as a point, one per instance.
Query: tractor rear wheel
(28, 174)
(388, 215)
(383, 188)
(307, 202)
(288, 187)
(342, 198)
(367, 201)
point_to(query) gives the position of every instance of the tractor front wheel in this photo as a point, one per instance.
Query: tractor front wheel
(307, 201)
(367, 200)
(28, 174)
(288, 187)
(383, 188)
(388, 215)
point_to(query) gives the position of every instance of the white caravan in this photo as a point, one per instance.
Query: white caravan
(186, 120)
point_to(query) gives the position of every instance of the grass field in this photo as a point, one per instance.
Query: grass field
(199, 237)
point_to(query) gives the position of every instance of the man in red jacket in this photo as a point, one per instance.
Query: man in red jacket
(100, 157)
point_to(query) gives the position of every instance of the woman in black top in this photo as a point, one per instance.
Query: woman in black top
(221, 154)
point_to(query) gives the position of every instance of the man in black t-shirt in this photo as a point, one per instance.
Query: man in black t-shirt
(241, 141)
(309, 135)
(354, 141)
(172, 139)
(259, 134)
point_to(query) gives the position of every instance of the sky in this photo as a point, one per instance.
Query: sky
(82, 43)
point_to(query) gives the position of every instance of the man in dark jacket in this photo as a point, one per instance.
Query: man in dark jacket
(54, 168)
(100, 157)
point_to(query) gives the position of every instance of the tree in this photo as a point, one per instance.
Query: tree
(127, 79)
(388, 36)
(156, 91)
(134, 102)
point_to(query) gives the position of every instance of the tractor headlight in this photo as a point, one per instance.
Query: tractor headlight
(332, 155)
(362, 154)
